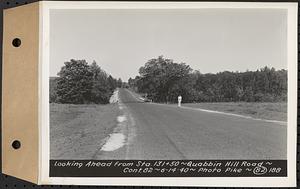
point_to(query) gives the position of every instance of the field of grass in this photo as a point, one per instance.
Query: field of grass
(262, 110)
(77, 130)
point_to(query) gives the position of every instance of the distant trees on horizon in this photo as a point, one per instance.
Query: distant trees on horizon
(164, 80)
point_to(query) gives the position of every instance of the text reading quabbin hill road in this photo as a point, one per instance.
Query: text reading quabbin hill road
(169, 168)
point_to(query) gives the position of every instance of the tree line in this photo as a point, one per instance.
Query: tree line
(81, 83)
(163, 80)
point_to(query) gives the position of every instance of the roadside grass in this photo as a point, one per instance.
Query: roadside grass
(77, 131)
(262, 110)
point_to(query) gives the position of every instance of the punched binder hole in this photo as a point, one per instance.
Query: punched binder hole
(16, 144)
(16, 42)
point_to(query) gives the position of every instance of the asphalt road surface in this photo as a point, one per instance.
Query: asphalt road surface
(161, 131)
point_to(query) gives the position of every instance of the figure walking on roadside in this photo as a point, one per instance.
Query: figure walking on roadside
(179, 100)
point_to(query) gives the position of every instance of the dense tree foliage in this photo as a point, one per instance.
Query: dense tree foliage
(119, 83)
(52, 89)
(163, 80)
(81, 83)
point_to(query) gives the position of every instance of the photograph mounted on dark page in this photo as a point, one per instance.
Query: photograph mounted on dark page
(149, 93)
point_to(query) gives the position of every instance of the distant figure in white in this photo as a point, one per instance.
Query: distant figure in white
(179, 100)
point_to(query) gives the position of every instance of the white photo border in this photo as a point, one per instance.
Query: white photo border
(44, 130)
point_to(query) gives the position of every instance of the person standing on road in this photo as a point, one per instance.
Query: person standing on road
(179, 100)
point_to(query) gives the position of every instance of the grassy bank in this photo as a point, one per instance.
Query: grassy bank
(77, 131)
(271, 111)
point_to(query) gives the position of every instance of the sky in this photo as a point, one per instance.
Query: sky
(209, 40)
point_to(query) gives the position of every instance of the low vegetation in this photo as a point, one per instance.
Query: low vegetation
(269, 111)
(79, 130)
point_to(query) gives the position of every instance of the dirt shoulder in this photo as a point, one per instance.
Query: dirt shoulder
(78, 131)
(270, 111)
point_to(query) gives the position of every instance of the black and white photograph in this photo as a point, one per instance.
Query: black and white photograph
(168, 84)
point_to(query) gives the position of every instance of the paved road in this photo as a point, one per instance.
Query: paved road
(157, 131)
